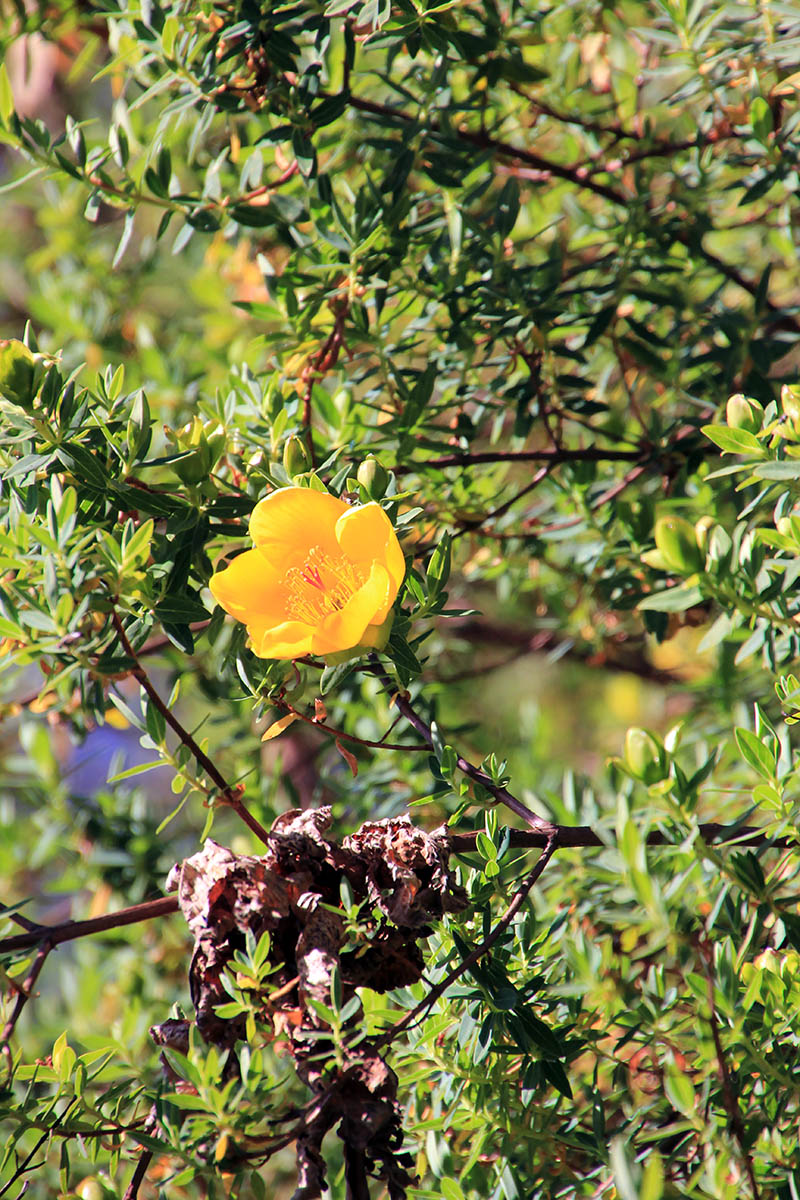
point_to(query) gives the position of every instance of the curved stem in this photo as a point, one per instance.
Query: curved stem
(539, 824)
(228, 795)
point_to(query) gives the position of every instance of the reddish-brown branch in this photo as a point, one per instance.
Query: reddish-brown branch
(475, 955)
(349, 737)
(266, 188)
(54, 935)
(324, 360)
(614, 130)
(228, 795)
(468, 526)
(474, 458)
(25, 990)
(647, 456)
(132, 1190)
(578, 837)
(578, 176)
(539, 824)
(546, 641)
(154, 646)
(567, 836)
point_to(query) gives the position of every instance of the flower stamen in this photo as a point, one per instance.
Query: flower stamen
(323, 585)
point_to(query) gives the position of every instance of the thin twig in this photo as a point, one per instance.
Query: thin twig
(467, 458)
(468, 526)
(584, 837)
(350, 737)
(567, 836)
(539, 824)
(324, 360)
(21, 1170)
(25, 990)
(132, 1190)
(475, 955)
(228, 795)
(68, 930)
(579, 176)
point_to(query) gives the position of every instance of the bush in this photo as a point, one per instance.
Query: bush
(400, 414)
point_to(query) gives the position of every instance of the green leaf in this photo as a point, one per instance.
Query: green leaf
(6, 96)
(438, 570)
(676, 599)
(84, 464)
(761, 758)
(181, 609)
(623, 1170)
(786, 469)
(734, 441)
(761, 118)
(680, 1091)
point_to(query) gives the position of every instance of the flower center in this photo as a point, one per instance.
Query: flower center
(323, 585)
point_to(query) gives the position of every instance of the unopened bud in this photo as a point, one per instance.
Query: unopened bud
(216, 439)
(744, 413)
(790, 403)
(373, 477)
(195, 466)
(677, 541)
(17, 372)
(90, 1189)
(296, 459)
(643, 756)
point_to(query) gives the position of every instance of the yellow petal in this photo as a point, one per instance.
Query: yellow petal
(365, 534)
(287, 523)
(250, 587)
(345, 628)
(376, 636)
(289, 639)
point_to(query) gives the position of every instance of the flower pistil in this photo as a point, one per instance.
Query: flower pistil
(323, 585)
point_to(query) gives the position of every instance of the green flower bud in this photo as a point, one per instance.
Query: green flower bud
(790, 403)
(643, 756)
(743, 413)
(296, 459)
(17, 373)
(91, 1189)
(194, 468)
(217, 440)
(373, 477)
(677, 541)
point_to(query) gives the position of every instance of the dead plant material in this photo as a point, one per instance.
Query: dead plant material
(400, 876)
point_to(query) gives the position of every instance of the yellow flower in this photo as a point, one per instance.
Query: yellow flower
(321, 580)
